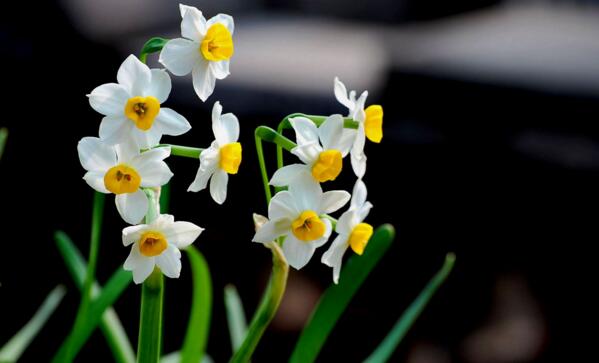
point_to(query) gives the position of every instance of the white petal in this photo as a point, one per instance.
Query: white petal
(182, 234)
(271, 230)
(171, 123)
(140, 265)
(225, 127)
(146, 139)
(330, 132)
(115, 129)
(153, 170)
(364, 210)
(358, 163)
(346, 141)
(218, 186)
(224, 19)
(307, 194)
(162, 221)
(347, 222)
(132, 206)
(133, 234)
(160, 85)
(109, 99)
(333, 257)
(359, 114)
(305, 130)
(193, 25)
(169, 262)
(95, 155)
(95, 179)
(341, 94)
(134, 75)
(179, 56)
(282, 206)
(359, 195)
(209, 159)
(201, 180)
(325, 237)
(220, 69)
(127, 151)
(297, 252)
(287, 174)
(308, 153)
(203, 79)
(333, 200)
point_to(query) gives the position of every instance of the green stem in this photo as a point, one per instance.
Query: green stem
(3, 137)
(184, 151)
(348, 123)
(268, 306)
(150, 321)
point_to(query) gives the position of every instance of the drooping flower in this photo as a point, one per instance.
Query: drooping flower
(370, 123)
(204, 50)
(353, 232)
(158, 244)
(123, 171)
(132, 107)
(324, 162)
(222, 158)
(296, 214)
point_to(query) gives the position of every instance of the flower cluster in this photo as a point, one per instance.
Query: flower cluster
(127, 159)
(299, 216)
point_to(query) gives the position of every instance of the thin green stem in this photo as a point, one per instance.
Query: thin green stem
(3, 137)
(263, 172)
(184, 151)
(150, 321)
(348, 123)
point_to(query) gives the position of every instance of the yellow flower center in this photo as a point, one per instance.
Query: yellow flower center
(152, 243)
(230, 157)
(308, 226)
(358, 239)
(328, 166)
(373, 125)
(122, 179)
(217, 44)
(142, 111)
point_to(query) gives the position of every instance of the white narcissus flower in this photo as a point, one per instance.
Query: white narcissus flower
(370, 123)
(158, 243)
(221, 158)
(204, 50)
(297, 214)
(132, 107)
(123, 171)
(324, 162)
(352, 231)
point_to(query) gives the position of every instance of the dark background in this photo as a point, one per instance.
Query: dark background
(495, 158)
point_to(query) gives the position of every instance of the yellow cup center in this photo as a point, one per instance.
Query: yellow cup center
(359, 237)
(152, 244)
(328, 166)
(122, 179)
(142, 111)
(230, 157)
(217, 44)
(308, 226)
(373, 125)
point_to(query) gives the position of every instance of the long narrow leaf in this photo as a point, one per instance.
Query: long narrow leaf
(235, 317)
(407, 319)
(3, 137)
(13, 349)
(110, 324)
(196, 337)
(175, 357)
(336, 298)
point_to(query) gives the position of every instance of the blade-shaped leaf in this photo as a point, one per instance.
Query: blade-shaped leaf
(13, 349)
(3, 137)
(196, 337)
(151, 46)
(336, 298)
(175, 357)
(235, 317)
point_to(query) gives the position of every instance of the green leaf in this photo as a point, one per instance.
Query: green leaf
(110, 324)
(235, 317)
(152, 46)
(196, 337)
(3, 137)
(336, 298)
(13, 349)
(175, 357)
(407, 319)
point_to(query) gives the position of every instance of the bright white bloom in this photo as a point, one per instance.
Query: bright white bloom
(324, 162)
(221, 158)
(296, 214)
(352, 231)
(132, 107)
(158, 243)
(123, 171)
(204, 50)
(370, 122)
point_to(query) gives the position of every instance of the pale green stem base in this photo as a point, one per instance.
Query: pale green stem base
(150, 320)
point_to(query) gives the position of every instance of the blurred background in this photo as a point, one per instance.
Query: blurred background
(490, 150)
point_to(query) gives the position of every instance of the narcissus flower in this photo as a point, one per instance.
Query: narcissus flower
(370, 123)
(204, 50)
(353, 232)
(221, 158)
(324, 162)
(158, 244)
(123, 171)
(132, 107)
(296, 214)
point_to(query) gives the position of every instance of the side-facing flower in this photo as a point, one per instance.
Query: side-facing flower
(296, 214)
(123, 171)
(204, 50)
(158, 243)
(323, 162)
(132, 107)
(353, 232)
(221, 158)
(370, 123)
